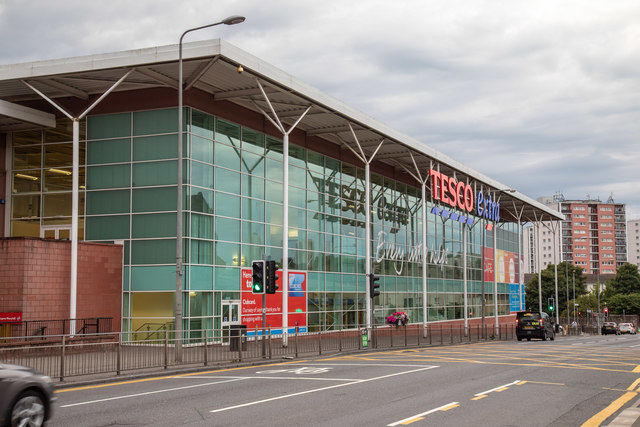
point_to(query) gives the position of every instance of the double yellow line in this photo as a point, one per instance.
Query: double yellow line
(597, 419)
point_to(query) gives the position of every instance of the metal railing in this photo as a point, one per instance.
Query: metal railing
(45, 328)
(64, 356)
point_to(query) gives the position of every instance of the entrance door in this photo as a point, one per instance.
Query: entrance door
(230, 316)
(58, 232)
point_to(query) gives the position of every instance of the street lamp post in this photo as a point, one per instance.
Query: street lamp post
(231, 20)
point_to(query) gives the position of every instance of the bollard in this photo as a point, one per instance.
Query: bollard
(166, 349)
(319, 342)
(405, 335)
(451, 333)
(118, 354)
(340, 339)
(270, 342)
(205, 348)
(62, 350)
(295, 340)
(441, 336)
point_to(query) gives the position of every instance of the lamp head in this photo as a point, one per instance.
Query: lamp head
(233, 20)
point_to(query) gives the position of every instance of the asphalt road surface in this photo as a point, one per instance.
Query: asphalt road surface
(572, 381)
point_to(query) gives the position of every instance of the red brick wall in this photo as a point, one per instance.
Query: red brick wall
(35, 279)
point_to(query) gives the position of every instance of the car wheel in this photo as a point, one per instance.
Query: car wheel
(528, 339)
(519, 338)
(28, 410)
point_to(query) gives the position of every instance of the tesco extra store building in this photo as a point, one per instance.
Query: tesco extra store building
(271, 167)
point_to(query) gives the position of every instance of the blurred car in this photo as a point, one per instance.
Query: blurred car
(627, 328)
(531, 324)
(26, 396)
(610, 328)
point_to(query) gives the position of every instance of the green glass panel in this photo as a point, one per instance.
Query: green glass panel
(227, 205)
(153, 278)
(125, 284)
(201, 124)
(201, 252)
(202, 175)
(107, 202)
(155, 122)
(202, 226)
(201, 149)
(274, 148)
(253, 141)
(274, 235)
(201, 278)
(154, 252)
(228, 133)
(155, 199)
(252, 186)
(252, 232)
(349, 283)
(227, 279)
(153, 225)
(297, 177)
(201, 200)
(227, 229)
(109, 126)
(227, 254)
(253, 163)
(107, 227)
(227, 181)
(274, 170)
(155, 173)
(315, 282)
(274, 191)
(297, 197)
(227, 156)
(250, 253)
(155, 148)
(252, 209)
(112, 176)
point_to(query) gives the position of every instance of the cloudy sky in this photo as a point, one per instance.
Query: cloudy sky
(541, 95)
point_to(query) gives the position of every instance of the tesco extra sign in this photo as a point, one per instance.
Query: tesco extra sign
(458, 194)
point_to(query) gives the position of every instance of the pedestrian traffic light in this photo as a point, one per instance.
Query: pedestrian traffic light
(373, 286)
(551, 302)
(257, 276)
(270, 277)
(606, 312)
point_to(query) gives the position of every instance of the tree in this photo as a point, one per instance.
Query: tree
(627, 281)
(548, 286)
(629, 303)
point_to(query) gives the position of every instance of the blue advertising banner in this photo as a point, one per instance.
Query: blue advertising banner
(514, 297)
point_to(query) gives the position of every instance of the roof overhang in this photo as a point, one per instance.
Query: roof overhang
(16, 117)
(212, 67)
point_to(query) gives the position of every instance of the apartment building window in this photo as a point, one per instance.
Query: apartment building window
(605, 209)
(579, 208)
(606, 217)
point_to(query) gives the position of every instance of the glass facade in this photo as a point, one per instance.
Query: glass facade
(233, 214)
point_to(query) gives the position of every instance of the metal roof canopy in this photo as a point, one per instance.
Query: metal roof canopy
(211, 66)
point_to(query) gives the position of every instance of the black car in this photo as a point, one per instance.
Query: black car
(26, 396)
(531, 324)
(610, 328)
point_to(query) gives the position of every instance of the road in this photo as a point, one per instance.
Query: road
(571, 381)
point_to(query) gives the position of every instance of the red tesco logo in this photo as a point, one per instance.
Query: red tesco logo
(451, 191)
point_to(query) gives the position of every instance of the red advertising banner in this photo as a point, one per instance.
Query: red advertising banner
(505, 264)
(488, 264)
(11, 317)
(251, 308)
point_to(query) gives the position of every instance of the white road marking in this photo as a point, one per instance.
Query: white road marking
(497, 388)
(243, 405)
(149, 392)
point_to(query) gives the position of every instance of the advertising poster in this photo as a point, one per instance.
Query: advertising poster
(251, 307)
(488, 264)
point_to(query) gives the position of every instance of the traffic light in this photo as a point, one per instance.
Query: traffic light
(270, 277)
(257, 276)
(551, 302)
(373, 286)
(606, 312)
